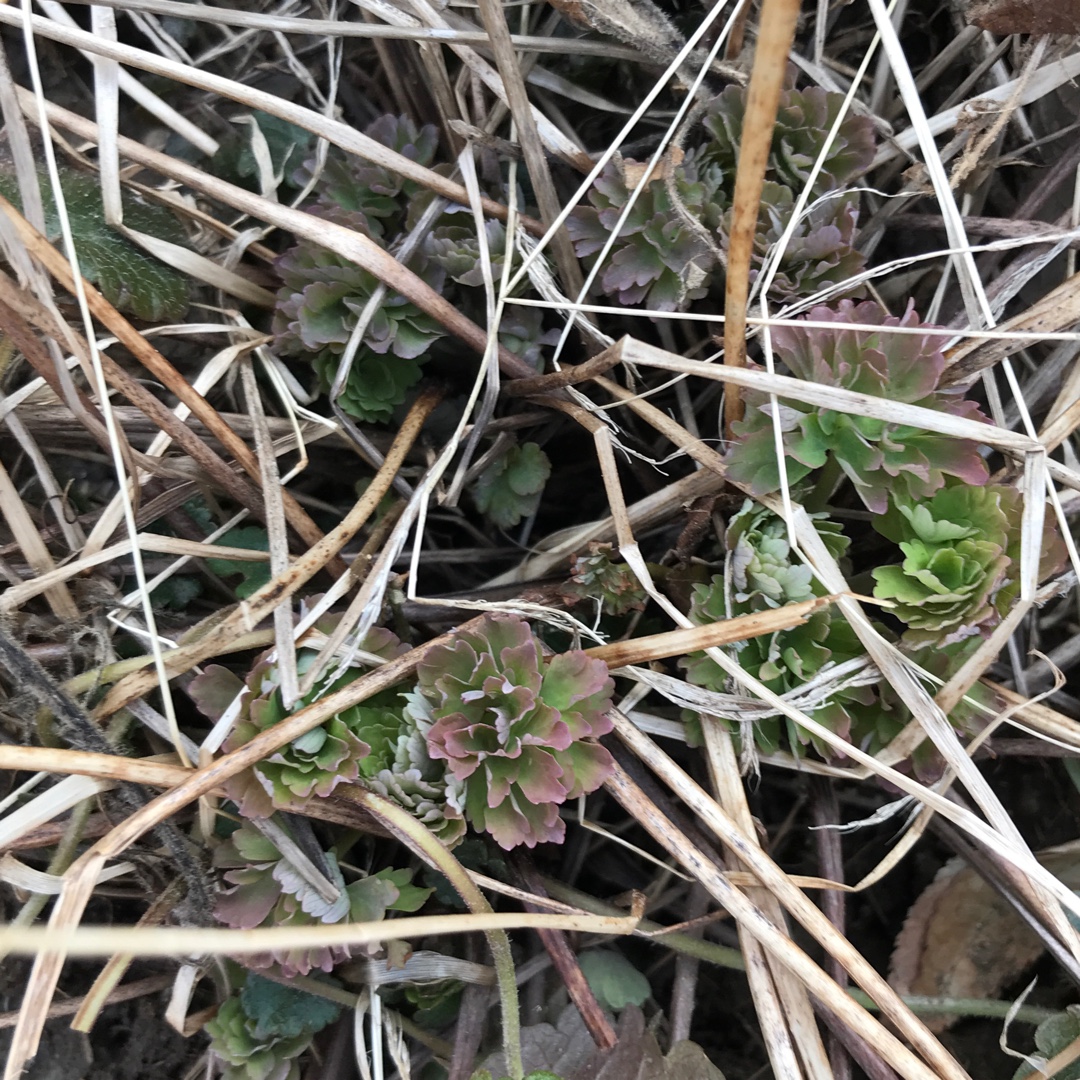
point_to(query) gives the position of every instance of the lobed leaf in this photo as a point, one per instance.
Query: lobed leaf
(128, 277)
(509, 488)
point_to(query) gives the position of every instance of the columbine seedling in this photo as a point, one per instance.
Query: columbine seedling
(670, 250)
(879, 457)
(515, 729)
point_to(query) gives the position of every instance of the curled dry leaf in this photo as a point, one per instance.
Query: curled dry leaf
(1025, 16)
(963, 939)
(639, 23)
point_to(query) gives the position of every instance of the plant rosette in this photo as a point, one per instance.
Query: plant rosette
(315, 763)
(765, 575)
(960, 573)
(515, 729)
(666, 248)
(879, 457)
(804, 119)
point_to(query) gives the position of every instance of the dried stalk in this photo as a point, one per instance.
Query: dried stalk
(775, 35)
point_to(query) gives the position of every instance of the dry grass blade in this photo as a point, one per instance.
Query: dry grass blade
(17, 595)
(554, 139)
(680, 642)
(79, 879)
(277, 540)
(333, 131)
(43, 808)
(1047, 722)
(1047, 79)
(28, 537)
(158, 366)
(127, 992)
(831, 397)
(1058, 310)
(145, 97)
(287, 24)
(494, 17)
(349, 244)
(102, 941)
(647, 512)
(46, 971)
(777, 29)
(84, 763)
(775, 990)
(107, 981)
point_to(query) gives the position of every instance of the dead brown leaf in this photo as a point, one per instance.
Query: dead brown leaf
(963, 939)
(1025, 16)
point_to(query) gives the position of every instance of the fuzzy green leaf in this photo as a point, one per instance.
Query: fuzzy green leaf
(1051, 1037)
(128, 277)
(286, 144)
(284, 1011)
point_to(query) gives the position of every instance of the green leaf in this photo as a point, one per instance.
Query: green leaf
(128, 277)
(658, 258)
(376, 385)
(287, 144)
(284, 1011)
(410, 897)
(255, 574)
(614, 980)
(509, 489)
(1051, 1037)
(528, 470)
(884, 460)
(177, 592)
